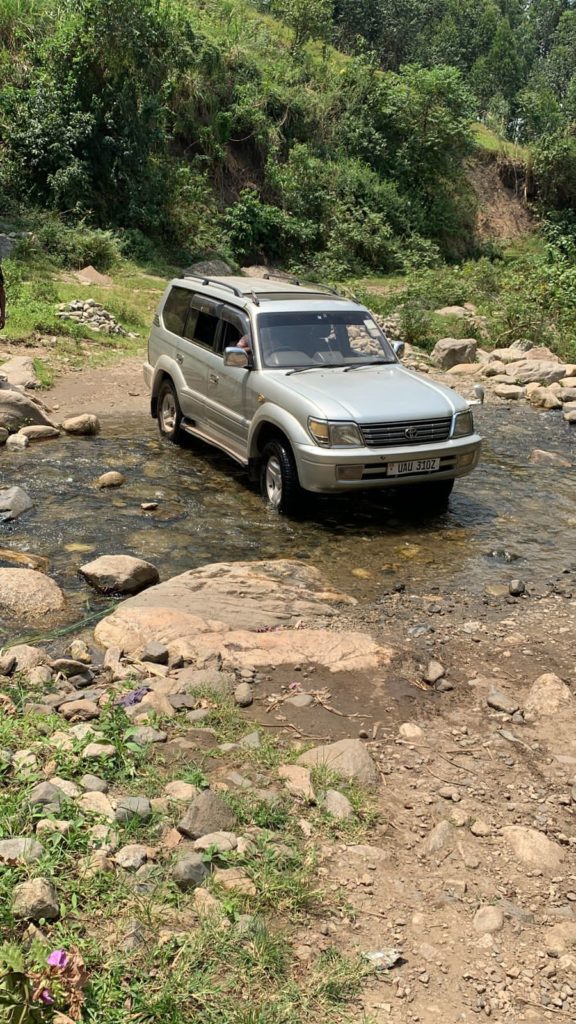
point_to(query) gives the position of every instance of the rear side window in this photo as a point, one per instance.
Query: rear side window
(175, 310)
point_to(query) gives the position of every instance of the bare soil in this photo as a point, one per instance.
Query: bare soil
(113, 388)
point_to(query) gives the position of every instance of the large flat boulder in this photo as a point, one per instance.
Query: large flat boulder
(28, 594)
(18, 410)
(19, 372)
(529, 371)
(243, 615)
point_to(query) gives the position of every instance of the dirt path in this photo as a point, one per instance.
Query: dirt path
(102, 390)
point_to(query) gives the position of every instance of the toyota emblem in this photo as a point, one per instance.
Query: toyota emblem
(411, 432)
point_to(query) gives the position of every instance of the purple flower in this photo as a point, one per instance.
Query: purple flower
(46, 997)
(57, 958)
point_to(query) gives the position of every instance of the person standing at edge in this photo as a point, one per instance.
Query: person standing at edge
(2, 301)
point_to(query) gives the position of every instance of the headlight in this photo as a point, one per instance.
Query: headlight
(335, 435)
(463, 424)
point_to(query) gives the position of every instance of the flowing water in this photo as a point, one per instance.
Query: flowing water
(508, 511)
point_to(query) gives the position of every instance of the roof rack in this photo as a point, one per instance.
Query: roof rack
(296, 281)
(214, 280)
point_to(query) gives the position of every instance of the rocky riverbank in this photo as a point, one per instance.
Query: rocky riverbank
(245, 775)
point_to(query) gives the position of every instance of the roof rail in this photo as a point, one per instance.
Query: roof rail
(294, 280)
(213, 280)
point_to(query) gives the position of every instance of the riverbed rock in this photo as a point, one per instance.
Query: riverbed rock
(512, 392)
(120, 574)
(207, 813)
(547, 695)
(337, 804)
(35, 900)
(570, 416)
(28, 594)
(17, 441)
(39, 432)
(190, 871)
(500, 701)
(243, 695)
(449, 352)
(19, 410)
(179, 614)
(540, 457)
(348, 758)
(27, 657)
(130, 807)
(110, 479)
(13, 502)
(488, 919)
(83, 426)
(533, 849)
(544, 398)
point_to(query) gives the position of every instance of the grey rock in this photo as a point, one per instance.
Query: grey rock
(441, 836)
(517, 588)
(300, 700)
(443, 686)
(206, 680)
(19, 410)
(17, 441)
(45, 793)
(96, 751)
(184, 701)
(434, 672)
(35, 900)
(190, 871)
(207, 813)
(244, 695)
(13, 502)
(144, 734)
(209, 268)
(68, 667)
(500, 701)
(84, 425)
(348, 757)
(94, 784)
(156, 653)
(129, 807)
(131, 857)
(450, 352)
(20, 851)
(516, 913)
(337, 805)
(250, 742)
(122, 574)
(200, 715)
(488, 919)
(133, 938)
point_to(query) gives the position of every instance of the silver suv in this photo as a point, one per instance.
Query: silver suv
(300, 386)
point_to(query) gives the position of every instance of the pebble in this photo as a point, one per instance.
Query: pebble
(488, 919)
(300, 700)
(99, 750)
(207, 813)
(35, 901)
(410, 731)
(156, 653)
(182, 791)
(337, 804)
(20, 851)
(220, 842)
(96, 803)
(480, 828)
(434, 672)
(500, 701)
(131, 857)
(83, 425)
(94, 784)
(144, 734)
(517, 588)
(190, 871)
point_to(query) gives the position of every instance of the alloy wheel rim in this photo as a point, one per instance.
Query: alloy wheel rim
(168, 413)
(273, 481)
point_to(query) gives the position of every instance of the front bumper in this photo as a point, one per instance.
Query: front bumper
(320, 469)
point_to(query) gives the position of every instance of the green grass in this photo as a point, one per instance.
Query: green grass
(488, 141)
(240, 971)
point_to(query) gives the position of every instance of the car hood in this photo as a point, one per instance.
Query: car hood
(374, 394)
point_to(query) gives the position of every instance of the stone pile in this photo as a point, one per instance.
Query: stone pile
(93, 315)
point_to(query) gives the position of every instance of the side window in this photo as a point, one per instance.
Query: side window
(230, 336)
(175, 310)
(205, 330)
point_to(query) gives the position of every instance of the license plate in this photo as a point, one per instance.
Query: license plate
(414, 466)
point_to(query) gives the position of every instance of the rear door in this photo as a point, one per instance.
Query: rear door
(200, 335)
(230, 403)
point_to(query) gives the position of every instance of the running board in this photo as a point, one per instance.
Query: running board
(190, 428)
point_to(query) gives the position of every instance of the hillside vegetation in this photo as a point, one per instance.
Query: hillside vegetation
(337, 138)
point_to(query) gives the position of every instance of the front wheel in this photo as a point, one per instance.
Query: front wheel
(279, 478)
(169, 412)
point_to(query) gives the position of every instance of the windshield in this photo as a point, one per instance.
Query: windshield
(334, 338)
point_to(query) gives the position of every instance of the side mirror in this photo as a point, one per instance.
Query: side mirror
(237, 357)
(399, 348)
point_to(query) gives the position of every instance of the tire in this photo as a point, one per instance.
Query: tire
(169, 413)
(279, 478)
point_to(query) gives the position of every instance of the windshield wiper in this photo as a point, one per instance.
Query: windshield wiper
(373, 362)
(316, 366)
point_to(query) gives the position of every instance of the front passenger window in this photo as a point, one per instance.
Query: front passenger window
(206, 327)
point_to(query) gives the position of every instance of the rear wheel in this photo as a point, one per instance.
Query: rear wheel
(169, 412)
(279, 478)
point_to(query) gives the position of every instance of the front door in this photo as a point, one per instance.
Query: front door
(230, 401)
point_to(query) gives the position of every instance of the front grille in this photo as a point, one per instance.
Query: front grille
(409, 432)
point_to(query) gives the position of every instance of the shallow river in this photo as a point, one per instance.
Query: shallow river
(509, 518)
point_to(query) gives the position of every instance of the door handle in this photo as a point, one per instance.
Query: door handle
(213, 378)
(179, 358)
